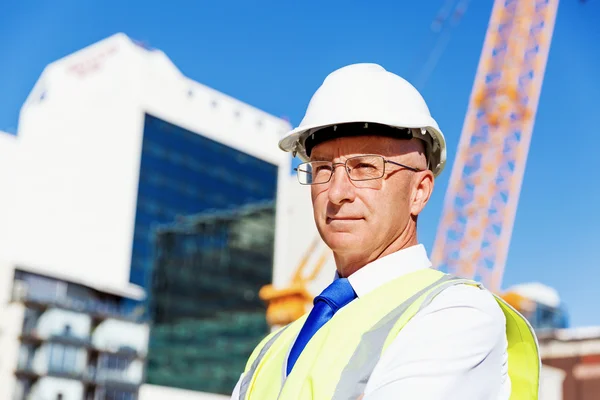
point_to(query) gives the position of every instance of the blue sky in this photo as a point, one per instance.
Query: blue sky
(273, 55)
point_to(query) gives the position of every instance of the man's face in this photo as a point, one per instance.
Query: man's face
(360, 220)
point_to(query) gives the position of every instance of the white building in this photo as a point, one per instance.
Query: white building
(114, 142)
(60, 339)
(78, 151)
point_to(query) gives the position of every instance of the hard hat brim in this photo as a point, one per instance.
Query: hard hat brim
(294, 140)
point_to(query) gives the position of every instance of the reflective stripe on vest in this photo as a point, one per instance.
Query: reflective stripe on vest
(357, 372)
(248, 377)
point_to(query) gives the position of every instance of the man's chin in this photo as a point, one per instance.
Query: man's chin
(341, 241)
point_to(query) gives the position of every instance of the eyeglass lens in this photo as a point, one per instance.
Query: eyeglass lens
(361, 168)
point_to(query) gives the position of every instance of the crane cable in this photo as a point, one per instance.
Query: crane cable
(447, 19)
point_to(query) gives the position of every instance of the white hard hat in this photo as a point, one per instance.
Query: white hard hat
(368, 94)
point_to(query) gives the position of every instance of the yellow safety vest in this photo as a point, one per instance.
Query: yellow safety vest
(339, 359)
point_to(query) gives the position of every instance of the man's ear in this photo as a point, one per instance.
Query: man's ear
(422, 189)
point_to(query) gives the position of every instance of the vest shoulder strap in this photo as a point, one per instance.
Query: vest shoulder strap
(524, 361)
(523, 353)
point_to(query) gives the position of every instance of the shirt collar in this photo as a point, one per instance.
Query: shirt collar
(388, 268)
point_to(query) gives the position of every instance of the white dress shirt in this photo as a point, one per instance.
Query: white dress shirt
(454, 348)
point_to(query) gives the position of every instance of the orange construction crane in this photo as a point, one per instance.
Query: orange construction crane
(289, 303)
(481, 201)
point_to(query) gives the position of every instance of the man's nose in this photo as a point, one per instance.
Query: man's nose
(341, 188)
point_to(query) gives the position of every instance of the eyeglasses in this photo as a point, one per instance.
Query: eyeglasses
(359, 168)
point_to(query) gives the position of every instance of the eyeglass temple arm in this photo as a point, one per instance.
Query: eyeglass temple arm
(403, 166)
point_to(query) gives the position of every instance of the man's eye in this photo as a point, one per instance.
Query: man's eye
(365, 166)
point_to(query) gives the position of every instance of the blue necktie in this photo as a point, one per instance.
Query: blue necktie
(335, 296)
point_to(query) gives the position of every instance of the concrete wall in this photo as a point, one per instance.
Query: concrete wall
(575, 352)
(551, 383)
(114, 334)
(11, 321)
(9, 176)
(74, 202)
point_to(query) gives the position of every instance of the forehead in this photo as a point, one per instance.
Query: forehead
(348, 146)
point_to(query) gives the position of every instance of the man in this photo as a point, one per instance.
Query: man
(389, 326)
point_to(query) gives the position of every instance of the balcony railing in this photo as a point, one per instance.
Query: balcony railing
(86, 343)
(89, 376)
(27, 370)
(32, 337)
(95, 309)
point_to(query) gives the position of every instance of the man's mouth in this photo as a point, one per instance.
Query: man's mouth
(332, 219)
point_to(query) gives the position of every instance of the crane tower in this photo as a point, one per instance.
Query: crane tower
(481, 201)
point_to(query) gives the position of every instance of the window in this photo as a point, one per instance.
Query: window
(55, 357)
(40, 288)
(117, 394)
(215, 207)
(115, 362)
(113, 367)
(62, 359)
(26, 353)
(30, 321)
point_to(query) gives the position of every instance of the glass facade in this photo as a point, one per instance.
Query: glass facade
(183, 173)
(204, 242)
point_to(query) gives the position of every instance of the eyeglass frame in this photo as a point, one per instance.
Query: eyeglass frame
(335, 165)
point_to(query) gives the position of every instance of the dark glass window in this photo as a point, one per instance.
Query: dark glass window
(62, 359)
(118, 394)
(113, 363)
(183, 173)
(203, 245)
